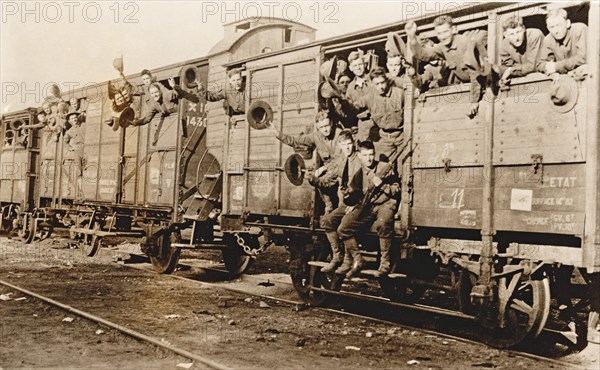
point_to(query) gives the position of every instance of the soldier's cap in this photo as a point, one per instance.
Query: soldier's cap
(146, 72)
(126, 116)
(72, 113)
(564, 94)
(395, 46)
(40, 110)
(512, 21)
(357, 54)
(328, 68)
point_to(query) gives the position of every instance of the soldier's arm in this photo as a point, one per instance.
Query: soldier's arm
(296, 140)
(186, 95)
(391, 184)
(506, 60)
(146, 119)
(579, 58)
(215, 95)
(546, 54)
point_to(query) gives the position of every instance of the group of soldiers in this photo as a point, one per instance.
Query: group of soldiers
(359, 132)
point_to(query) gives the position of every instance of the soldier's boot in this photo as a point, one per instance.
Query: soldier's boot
(336, 253)
(348, 261)
(385, 245)
(359, 263)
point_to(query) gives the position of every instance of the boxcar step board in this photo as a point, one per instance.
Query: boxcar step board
(193, 218)
(94, 232)
(199, 246)
(212, 176)
(373, 273)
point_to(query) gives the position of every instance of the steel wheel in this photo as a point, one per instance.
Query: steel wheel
(27, 232)
(236, 261)
(525, 315)
(91, 243)
(166, 258)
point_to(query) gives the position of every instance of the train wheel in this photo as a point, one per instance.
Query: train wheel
(525, 315)
(166, 258)
(236, 261)
(45, 230)
(27, 230)
(90, 245)
(6, 224)
(464, 282)
(305, 277)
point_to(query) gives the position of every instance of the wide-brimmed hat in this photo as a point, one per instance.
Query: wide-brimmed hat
(329, 89)
(328, 68)
(125, 117)
(395, 46)
(72, 113)
(564, 93)
(259, 114)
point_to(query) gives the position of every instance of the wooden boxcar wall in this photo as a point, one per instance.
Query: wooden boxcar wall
(254, 160)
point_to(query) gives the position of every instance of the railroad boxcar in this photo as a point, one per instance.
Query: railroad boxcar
(507, 201)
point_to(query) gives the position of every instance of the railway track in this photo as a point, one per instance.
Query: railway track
(208, 363)
(351, 311)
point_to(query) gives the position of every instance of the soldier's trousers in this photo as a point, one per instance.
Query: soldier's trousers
(388, 146)
(381, 216)
(367, 130)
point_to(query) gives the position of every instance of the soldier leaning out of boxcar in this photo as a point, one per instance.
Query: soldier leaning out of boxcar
(519, 50)
(385, 102)
(378, 211)
(357, 88)
(453, 48)
(564, 48)
(325, 140)
(165, 102)
(234, 95)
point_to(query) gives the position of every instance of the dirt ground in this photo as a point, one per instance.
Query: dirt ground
(230, 328)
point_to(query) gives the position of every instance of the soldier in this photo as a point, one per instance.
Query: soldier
(357, 88)
(377, 181)
(519, 50)
(400, 72)
(164, 103)
(386, 104)
(74, 140)
(453, 48)
(325, 140)
(343, 81)
(234, 94)
(342, 168)
(564, 49)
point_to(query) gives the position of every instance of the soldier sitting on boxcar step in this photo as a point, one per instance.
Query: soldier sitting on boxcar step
(234, 95)
(453, 48)
(342, 169)
(565, 48)
(519, 50)
(378, 181)
(164, 103)
(325, 140)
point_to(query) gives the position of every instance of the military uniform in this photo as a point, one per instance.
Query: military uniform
(168, 104)
(236, 100)
(522, 60)
(357, 88)
(569, 53)
(454, 55)
(387, 112)
(378, 211)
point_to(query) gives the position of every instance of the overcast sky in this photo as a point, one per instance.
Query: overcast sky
(73, 43)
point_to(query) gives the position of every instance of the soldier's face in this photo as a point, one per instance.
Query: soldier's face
(73, 119)
(358, 67)
(324, 127)
(41, 118)
(74, 103)
(381, 85)
(119, 99)
(47, 108)
(346, 146)
(558, 26)
(236, 81)
(367, 157)
(444, 33)
(394, 65)
(343, 83)
(155, 93)
(515, 36)
(147, 80)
